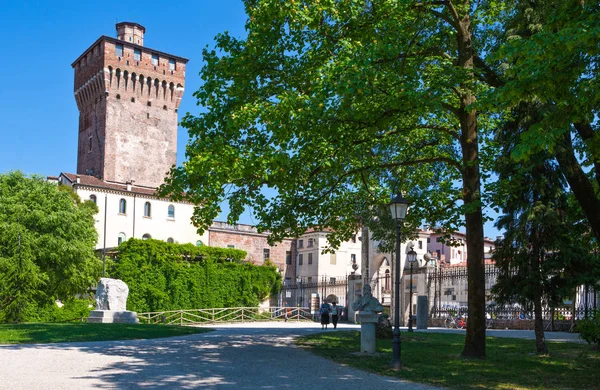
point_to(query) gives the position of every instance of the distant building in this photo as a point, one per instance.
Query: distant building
(453, 251)
(314, 265)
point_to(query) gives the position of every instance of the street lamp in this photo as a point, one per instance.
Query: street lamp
(398, 209)
(411, 257)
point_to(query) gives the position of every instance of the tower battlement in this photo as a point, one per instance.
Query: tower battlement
(127, 96)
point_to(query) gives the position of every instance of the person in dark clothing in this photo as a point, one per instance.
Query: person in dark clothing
(335, 312)
(325, 310)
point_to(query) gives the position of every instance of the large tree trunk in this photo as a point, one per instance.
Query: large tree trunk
(475, 339)
(540, 339)
(580, 184)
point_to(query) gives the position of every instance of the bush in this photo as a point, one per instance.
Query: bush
(72, 310)
(163, 276)
(589, 329)
(383, 328)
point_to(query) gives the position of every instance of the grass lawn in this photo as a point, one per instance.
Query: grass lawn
(36, 333)
(433, 358)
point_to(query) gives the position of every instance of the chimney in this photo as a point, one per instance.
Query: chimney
(77, 179)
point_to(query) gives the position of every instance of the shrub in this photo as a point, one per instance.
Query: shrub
(383, 328)
(589, 329)
(165, 276)
(72, 310)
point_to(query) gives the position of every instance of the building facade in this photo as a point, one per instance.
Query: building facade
(315, 262)
(127, 96)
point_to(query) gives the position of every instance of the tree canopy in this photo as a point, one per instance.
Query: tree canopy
(336, 105)
(47, 241)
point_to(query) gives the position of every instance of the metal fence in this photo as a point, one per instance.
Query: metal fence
(310, 293)
(225, 315)
(448, 292)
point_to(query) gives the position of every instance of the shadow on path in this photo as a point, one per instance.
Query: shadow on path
(236, 358)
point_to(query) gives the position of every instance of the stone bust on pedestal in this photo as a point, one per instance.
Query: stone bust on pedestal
(368, 306)
(367, 302)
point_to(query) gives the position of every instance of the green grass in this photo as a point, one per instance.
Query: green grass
(434, 359)
(36, 333)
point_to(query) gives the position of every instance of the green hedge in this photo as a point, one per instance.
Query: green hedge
(163, 276)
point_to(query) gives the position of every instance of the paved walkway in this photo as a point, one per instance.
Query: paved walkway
(238, 356)
(242, 356)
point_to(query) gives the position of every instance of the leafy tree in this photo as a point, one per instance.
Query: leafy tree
(336, 105)
(545, 253)
(47, 240)
(549, 57)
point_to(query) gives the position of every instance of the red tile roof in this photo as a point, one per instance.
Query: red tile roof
(91, 181)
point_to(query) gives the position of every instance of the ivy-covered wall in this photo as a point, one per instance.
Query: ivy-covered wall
(164, 276)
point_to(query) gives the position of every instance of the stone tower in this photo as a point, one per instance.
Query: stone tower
(127, 96)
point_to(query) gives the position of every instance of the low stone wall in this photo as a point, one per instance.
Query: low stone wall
(561, 326)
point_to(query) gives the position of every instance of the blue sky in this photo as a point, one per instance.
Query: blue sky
(38, 115)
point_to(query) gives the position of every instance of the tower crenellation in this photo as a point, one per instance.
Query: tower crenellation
(128, 96)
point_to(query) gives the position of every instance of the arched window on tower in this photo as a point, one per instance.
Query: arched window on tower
(121, 238)
(147, 209)
(146, 236)
(122, 206)
(170, 240)
(93, 198)
(171, 211)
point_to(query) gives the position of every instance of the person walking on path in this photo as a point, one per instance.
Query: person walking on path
(325, 310)
(335, 311)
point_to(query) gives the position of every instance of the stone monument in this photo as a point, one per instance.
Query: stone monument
(368, 306)
(111, 302)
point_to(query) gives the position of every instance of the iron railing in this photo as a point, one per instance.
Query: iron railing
(225, 315)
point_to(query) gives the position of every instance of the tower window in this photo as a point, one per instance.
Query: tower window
(266, 253)
(199, 243)
(93, 198)
(137, 54)
(146, 236)
(147, 209)
(149, 104)
(121, 238)
(118, 97)
(288, 257)
(155, 59)
(122, 206)
(119, 50)
(170, 240)
(172, 64)
(310, 258)
(89, 144)
(132, 100)
(171, 211)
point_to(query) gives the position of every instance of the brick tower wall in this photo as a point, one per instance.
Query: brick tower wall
(133, 121)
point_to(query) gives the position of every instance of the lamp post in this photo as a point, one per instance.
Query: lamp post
(411, 257)
(398, 209)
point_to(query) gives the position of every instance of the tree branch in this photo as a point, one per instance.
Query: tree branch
(488, 74)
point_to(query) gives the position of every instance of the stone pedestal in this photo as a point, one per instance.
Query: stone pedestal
(113, 316)
(368, 341)
(422, 311)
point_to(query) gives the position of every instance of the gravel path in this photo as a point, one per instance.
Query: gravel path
(243, 356)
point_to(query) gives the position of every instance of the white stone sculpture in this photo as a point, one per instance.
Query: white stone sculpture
(111, 303)
(111, 294)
